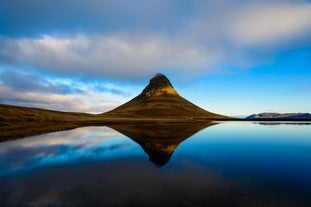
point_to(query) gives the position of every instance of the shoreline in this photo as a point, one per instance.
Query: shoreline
(16, 130)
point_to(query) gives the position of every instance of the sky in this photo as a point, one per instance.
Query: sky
(234, 57)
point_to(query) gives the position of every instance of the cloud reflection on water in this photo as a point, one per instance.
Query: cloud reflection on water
(87, 143)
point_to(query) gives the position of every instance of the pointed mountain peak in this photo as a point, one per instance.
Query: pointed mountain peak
(160, 100)
(159, 85)
(159, 80)
(159, 75)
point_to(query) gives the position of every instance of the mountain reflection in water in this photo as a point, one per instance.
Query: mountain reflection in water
(160, 140)
(236, 164)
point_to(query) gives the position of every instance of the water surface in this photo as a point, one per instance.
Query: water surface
(218, 164)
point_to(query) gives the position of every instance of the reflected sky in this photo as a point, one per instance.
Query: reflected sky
(243, 149)
(226, 164)
(73, 146)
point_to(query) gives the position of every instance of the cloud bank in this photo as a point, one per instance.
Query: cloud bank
(136, 51)
(112, 56)
(26, 89)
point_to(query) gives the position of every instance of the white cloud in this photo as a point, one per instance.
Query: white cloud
(113, 56)
(36, 90)
(85, 102)
(269, 23)
(80, 137)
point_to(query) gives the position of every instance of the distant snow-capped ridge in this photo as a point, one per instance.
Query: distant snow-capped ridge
(278, 116)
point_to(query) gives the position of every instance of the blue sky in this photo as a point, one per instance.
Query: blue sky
(235, 57)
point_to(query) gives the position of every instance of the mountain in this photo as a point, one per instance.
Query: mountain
(160, 100)
(280, 116)
(159, 141)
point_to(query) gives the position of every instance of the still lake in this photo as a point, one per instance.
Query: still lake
(220, 164)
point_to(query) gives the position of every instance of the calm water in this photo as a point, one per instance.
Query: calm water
(224, 164)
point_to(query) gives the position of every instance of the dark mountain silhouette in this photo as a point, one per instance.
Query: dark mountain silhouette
(280, 116)
(160, 140)
(160, 100)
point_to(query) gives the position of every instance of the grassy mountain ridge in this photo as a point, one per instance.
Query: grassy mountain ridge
(160, 100)
(13, 114)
